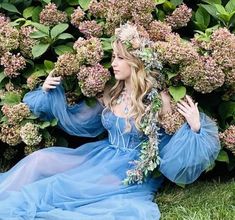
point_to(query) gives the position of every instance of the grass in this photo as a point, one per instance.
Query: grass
(198, 201)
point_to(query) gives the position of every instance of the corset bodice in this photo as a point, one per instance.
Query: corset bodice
(117, 134)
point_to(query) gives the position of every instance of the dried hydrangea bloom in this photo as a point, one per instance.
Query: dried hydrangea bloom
(142, 19)
(91, 29)
(33, 82)
(10, 134)
(93, 79)
(51, 16)
(222, 44)
(180, 17)
(71, 98)
(49, 141)
(9, 38)
(172, 121)
(30, 135)
(26, 42)
(223, 52)
(144, 6)
(30, 149)
(67, 65)
(228, 138)
(12, 64)
(200, 45)
(77, 17)
(98, 9)
(230, 78)
(3, 20)
(120, 11)
(89, 51)
(16, 113)
(203, 74)
(9, 86)
(158, 30)
(176, 51)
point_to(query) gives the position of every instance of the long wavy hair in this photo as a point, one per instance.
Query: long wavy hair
(141, 83)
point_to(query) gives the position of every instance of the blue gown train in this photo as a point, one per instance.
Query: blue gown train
(85, 183)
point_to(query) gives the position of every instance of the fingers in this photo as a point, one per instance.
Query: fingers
(190, 101)
(51, 82)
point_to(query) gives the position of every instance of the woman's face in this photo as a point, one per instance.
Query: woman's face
(121, 68)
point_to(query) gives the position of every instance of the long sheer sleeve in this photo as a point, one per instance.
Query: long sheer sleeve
(186, 154)
(79, 120)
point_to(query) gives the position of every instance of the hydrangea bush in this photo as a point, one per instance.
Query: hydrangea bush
(195, 43)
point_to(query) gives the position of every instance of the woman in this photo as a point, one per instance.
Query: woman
(88, 182)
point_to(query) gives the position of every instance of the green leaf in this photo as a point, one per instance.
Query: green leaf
(73, 2)
(177, 92)
(220, 9)
(65, 36)
(227, 109)
(230, 6)
(69, 11)
(39, 49)
(11, 98)
(38, 34)
(84, 4)
(17, 21)
(46, 1)
(106, 44)
(32, 116)
(171, 75)
(44, 124)
(176, 2)
(36, 12)
(159, 2)
(168, 6)
(54, 122)
(2, 76)
(38, 73)
(58, 29)
(61, 49)
(212, 1)
(28, 12)
(41, 27)
(210, 9)
(202, 17)
(61, 141)
(49, 64)
(91, 102)
(10, 7)
(223, 157)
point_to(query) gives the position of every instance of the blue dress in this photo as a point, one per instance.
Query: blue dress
(85, 183)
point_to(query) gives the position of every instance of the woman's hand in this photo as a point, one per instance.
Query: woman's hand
(190, 111)
(51, 82)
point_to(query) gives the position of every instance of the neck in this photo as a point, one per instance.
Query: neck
(128, 86)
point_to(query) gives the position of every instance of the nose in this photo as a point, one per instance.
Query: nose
(113, 64)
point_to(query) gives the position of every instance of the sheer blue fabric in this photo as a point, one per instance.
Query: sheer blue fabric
(59, 183)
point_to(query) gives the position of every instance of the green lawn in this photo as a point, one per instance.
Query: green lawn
(199, 201)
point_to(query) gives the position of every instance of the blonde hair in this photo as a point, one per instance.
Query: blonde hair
(141, 82)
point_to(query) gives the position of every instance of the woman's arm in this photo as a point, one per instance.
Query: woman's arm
(49, 102)
(192, 148)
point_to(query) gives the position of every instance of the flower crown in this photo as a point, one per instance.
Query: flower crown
(139, 46)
